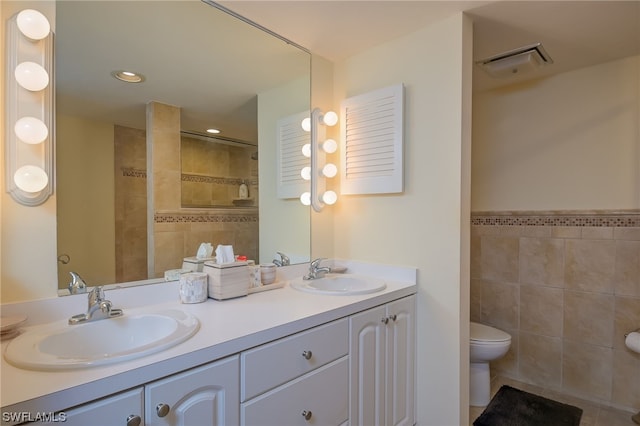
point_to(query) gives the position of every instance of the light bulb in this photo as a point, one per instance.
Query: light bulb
(306, 173)
(31, 76)
(306, 150)
(31, 179)
(330, 197)
(305, 198)
(329, 170)
(330, 118)
(329, 146)
(306, 124)
(33, 24)
(31, 130)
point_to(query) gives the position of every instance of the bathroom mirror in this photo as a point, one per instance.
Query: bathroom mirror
(213, 70)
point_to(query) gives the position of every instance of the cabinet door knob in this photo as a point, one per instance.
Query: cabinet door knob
(306, 414)
(307, 354)
(385, 320)
(134, 420)
(162, 409)
(393, 317)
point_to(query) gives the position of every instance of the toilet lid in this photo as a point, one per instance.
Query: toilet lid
(485, 333)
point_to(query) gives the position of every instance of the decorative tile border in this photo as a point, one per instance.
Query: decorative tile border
(627, 218)
(185, 177)
(205, 218)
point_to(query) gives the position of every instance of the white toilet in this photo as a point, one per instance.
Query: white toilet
(486, 344)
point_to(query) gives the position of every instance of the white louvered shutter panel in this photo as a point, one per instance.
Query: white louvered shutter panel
(372, 142)
(291, 138)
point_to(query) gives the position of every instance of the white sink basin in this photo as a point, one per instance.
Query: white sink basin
(61, 346)
(340, 285)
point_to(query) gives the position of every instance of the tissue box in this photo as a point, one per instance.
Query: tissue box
(227, 280)
(195, 264)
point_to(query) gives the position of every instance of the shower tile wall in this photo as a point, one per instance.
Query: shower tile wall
(566, 286)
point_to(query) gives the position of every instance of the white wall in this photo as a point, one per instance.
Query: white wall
(427, 225)
(28, 238)
(568, 142)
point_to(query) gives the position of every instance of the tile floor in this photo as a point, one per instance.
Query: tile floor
(593, 414)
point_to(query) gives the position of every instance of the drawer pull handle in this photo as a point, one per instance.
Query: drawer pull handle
(393, 317)
(307, 415)
(385, 320)
(162, 409)
(134, 420)
(307, 354)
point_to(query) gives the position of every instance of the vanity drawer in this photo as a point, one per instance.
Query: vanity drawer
(320, 397)
(275, 363)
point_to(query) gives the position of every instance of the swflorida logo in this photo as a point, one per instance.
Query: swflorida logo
(26, 416)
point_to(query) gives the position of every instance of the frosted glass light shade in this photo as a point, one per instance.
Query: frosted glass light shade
(31, 76)
(306, 173)
(306, 124)
(329, 197)
(330, 118)
(31, 179)
(31, 130)
(306, 150)
(33, 24)
(305, 198)
(329, 146)
(329, 170)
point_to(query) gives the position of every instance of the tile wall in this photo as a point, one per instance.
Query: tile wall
(566, 286)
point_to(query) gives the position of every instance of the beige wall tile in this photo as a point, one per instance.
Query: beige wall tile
(587, 370)
(626, 378)
(541, 310)
(536, 231)
(500, 304)
(590, 265)
(476, 268)
(508, 364)
(597, 233)
(627, 319)
(627, 233)
(588, 318)
(476, 300)
(627, 269)
(540, 359)
(542, 261)
(499, 258)
(566, 232)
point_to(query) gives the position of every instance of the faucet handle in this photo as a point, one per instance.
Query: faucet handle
(284, 259)
(77, 284)
(316, 263)
(96, 296)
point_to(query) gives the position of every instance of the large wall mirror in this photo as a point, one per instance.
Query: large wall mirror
(140, 183)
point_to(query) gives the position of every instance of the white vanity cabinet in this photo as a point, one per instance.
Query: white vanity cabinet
(382, 364)
(206, 395)
(124, 409)
(298, 380)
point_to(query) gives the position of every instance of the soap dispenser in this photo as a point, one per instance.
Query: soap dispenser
(243, 192)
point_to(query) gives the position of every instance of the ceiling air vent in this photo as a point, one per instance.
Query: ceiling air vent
(516, 61)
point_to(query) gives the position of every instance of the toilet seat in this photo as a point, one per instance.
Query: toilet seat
(480, 334)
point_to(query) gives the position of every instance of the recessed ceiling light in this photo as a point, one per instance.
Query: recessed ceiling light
(128, 76)
(213, 131)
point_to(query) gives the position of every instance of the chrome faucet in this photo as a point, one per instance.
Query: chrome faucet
(284, 260)
(98, 308)
(315, 270)
(77, 284)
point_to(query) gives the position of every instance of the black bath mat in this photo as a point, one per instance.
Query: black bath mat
(514, 407)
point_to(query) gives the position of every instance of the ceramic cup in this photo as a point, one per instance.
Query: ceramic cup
(193, 287)
(267, 273)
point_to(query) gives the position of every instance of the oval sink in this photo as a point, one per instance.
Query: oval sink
(60, 347)
(340, 285)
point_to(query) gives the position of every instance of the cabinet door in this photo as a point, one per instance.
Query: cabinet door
(207, 395)
(400, 362)
(367, 367)
(123, 409)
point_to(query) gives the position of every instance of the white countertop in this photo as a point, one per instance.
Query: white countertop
(226, 327)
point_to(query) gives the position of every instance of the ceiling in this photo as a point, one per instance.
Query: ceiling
(575, 33)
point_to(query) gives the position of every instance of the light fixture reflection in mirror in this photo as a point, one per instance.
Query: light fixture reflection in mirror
(28, 143)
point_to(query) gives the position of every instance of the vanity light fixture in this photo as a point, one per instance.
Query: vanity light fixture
(128, 76)
(29, 108)
(319, 170)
